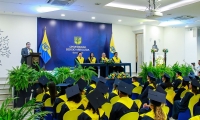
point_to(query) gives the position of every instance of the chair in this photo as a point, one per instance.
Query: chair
(170, 108)
(48, 107)
(130, 116)
(138, 102)
(165, 109)
(183, 93)
(39, 97)
(107, 108)
(136, 92)
(189, 112)
(195, 118)
(72, 115)
(170, 95)
(58, 108)
(114, 100)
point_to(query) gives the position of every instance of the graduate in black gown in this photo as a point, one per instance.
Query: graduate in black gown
(52, 93)
(116, 59)
(93, 110)
(41, 88)
(152, 85)
(91, 59)
(125, 104)
(178, 80)
(182, 105)
(73, 102)
(101, 87)
(92, 85)
(115, 90)
(185, 86)
(135, 82)
(166, 82)
(103, 59)
(156, 112)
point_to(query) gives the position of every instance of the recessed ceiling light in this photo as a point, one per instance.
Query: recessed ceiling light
(119, 20)
(46, 9)
(186, 26)
(62, 15)
(168, 23)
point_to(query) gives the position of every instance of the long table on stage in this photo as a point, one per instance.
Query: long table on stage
(108, 65)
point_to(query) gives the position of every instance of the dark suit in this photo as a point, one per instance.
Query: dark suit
(24, 53)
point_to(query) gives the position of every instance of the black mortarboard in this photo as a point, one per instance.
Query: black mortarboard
(101, 87)
(186, 79)
(191, 76)
(96, 99)
(63, 85)
(195, 83)
(102, 79)
(70, 80)
(94, 78)
(179, 73)
(197, 77)
(124, 87)
(160, 89)
(43, 80)
(73, 90)
(82, 84)
(166, 75)
(156, 96)
(117, 81)
(151, 76)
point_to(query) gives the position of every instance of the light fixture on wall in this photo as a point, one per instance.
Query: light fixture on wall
(93, 18)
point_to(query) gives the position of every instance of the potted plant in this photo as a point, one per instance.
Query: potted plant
(61, 74)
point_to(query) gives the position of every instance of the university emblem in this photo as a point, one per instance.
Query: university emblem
(45, 47)
(77, 40)
(112, 49)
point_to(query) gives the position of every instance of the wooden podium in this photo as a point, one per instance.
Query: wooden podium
(32, 59)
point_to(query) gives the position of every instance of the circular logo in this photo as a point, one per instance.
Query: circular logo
(112, 49)
(45, 47)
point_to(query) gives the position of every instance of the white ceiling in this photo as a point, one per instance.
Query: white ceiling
(83, 10)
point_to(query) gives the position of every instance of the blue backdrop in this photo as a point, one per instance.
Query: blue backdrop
(67, 38)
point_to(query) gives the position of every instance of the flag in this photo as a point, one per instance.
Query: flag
(112, 47)
(45, 49)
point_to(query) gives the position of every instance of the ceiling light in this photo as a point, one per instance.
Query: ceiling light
(186, 26)
(177, 4)
(46, 9)
(62, 15)
(93, 18)
(168, 23)
(126, 6)
(119, 20)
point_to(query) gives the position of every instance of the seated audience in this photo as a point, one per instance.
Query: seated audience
(177, 82)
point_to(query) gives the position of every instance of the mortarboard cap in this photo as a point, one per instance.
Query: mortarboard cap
(101, 87)
(63, 85)
(156, 96)
(151, 76)
(102, 79)
(166, 75)
(195, 83)
(197, 77)
(94, 78)
(124, 87)
(160, 89)
(82, 84)
(186, 79)
(43, 80)
(96, 99)
(70, 80)
(73, 90)
(117, 81)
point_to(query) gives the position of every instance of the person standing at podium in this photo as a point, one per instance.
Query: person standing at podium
(79, 59)
(25, 52)
(116, 59)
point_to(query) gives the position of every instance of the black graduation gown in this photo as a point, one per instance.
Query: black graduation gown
(178, 94)
(163, 85)
(111, 95)
(144, 96)
(45, 97)
(181, 106)
(146, 118)
(102, 69)
(85, 116)
(90, 88)
(118, 68)
(145, 86)
(176, 83)
(65, 108)
(119, 109)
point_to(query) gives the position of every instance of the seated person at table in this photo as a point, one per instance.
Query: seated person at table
(116, 59)
(93, 110)
(166, 82)
(185, 86)
(152, 85)
(125, 104)
(74, 101)
(156, 113)
(177, 82)
(115, 90)
(92, 60)
(103, 59)
(92, 85)
(79, 59)
(182, 105)
(135, 82)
